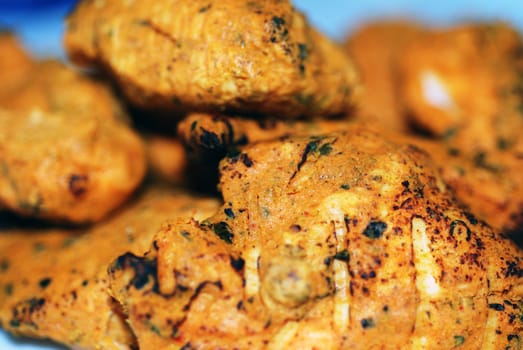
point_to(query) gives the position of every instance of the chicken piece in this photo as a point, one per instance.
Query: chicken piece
(15, 63)
(464, 85)
(490, 186)
(167, 158)
(54, 282)
(66, 150)
(376, 48)
(210, 137)
(340, 241)
(256, 56)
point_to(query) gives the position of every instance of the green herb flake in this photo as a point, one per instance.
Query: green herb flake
(155, 329)
(240, 40)
(345, 186)
(503, 144)
(186, 235)
(480, 161)
(205, 8)
(303, 52)
(141, 22)
(39, 247)
(222, 230)
(8, 289)
(229, 212)
(449, 133)
(265, 212)
(458, 340)
(375, 229)
(44, 282)
(69, 242)
(325, 149)
(343, 255)
(368, 323)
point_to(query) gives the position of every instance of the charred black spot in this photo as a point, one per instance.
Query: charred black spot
(187, 346)
(480, 161)
(497, 307)
(342, 256)
(205, 8)
(44, 282)
(295, 228)
(4, 265)
(222, 230)
(199, 289)
(22, 312)
(246, 160)
(229, 212)
(210, 140)
(459, 225)
(405, 184)
(513, 269)
(237, 264)
(471, 218)
(278, 30)
(454, 152)
(375, 229)
(144, 270)
(367, 323)
(78, 184)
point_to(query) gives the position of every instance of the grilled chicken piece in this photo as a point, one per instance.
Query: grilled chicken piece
(54, 282)
(67, 152)
(340, 241)
(464, 87)
(180, 56)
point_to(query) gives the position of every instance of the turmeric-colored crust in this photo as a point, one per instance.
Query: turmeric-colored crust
(340, 241)
(15, 63)
(179, 55)
(489, 184)
(207, 135)
(376, 48)
(463, 86)
(53, 283)
(67, 152)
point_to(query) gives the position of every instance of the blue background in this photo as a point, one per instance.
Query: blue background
(40, 25)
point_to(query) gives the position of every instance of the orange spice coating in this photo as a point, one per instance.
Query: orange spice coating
(179, 55)
(54, 282)
(67, 152)
(376, 48)
(338, 241)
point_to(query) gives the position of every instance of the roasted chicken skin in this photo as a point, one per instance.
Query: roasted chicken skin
(54, 282)
(15, 63)
(463, 86)
(180, 55)
(340, 241)
(490, 187)
(67, 152)
(376, 48)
